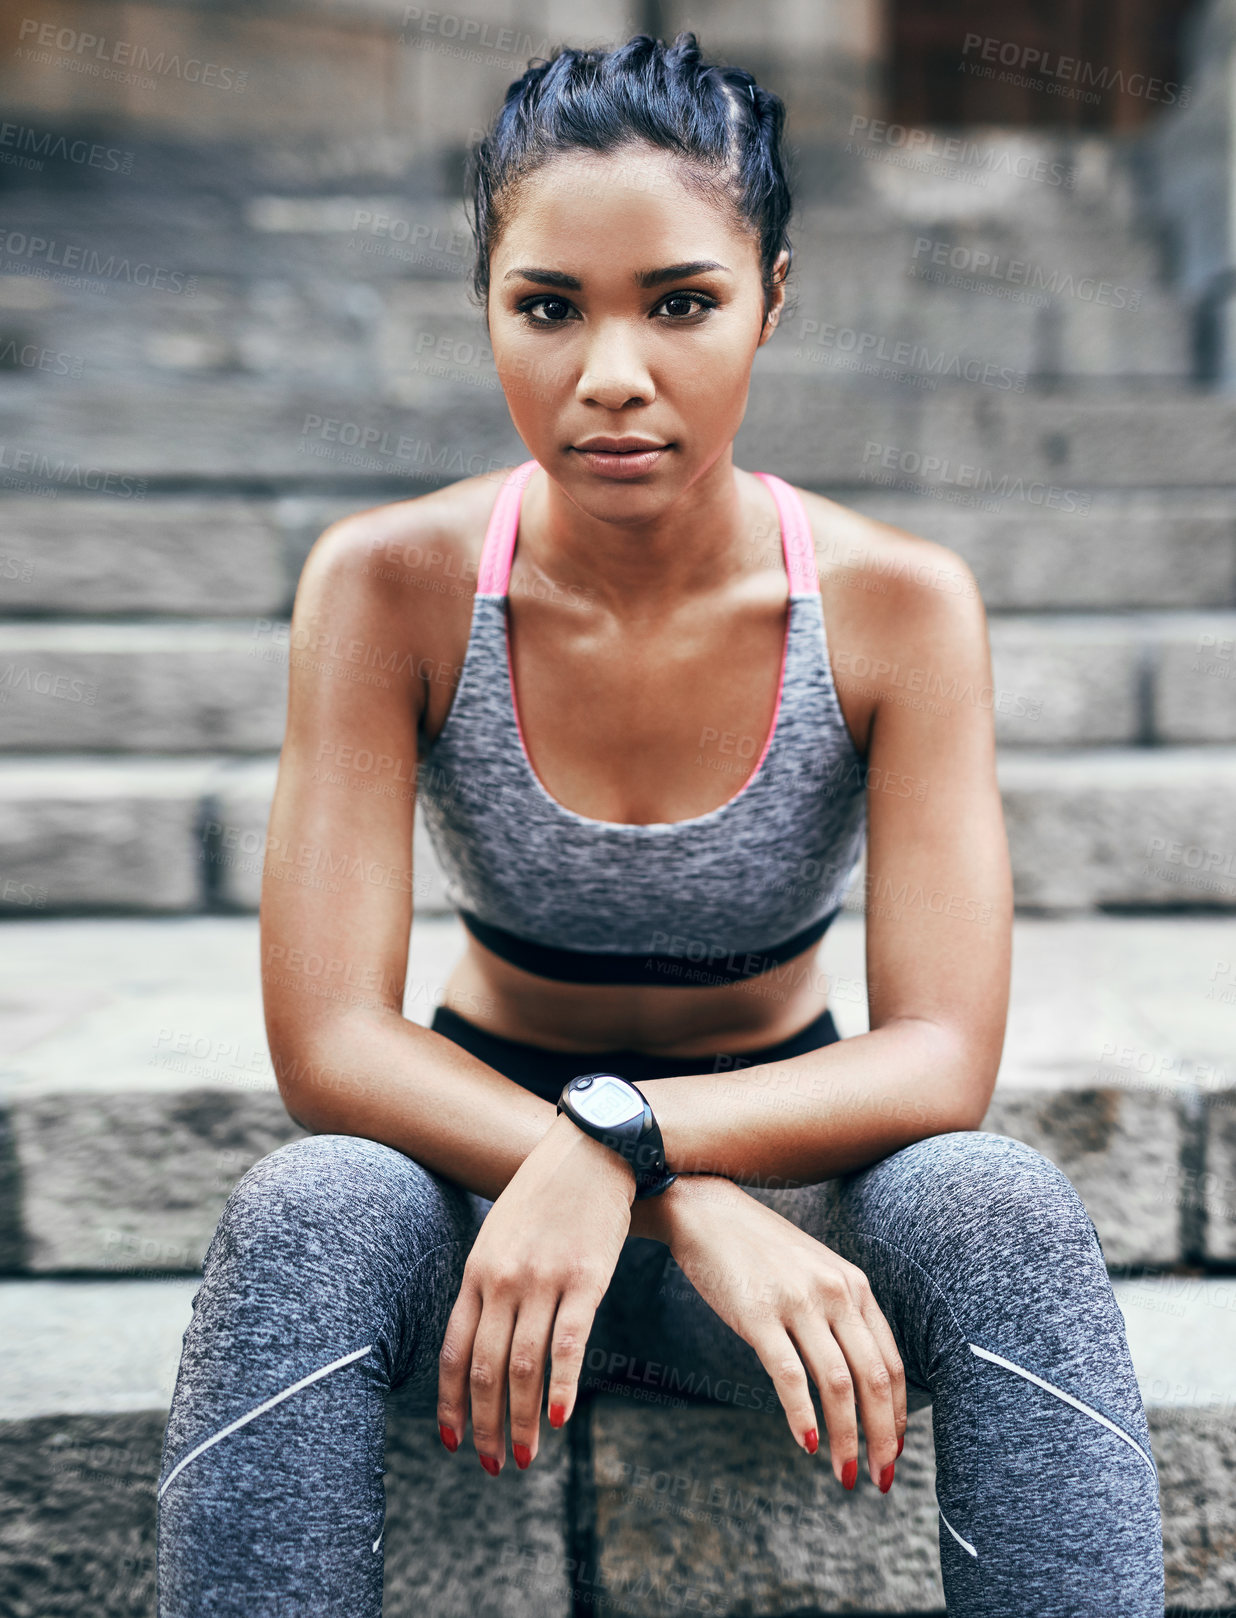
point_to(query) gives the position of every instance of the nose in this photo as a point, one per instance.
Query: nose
(614, 372)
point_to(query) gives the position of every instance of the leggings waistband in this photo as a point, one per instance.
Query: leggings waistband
(545, 1071)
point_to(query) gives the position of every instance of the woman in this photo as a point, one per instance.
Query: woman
(609, 682)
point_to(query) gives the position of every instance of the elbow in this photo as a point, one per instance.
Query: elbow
(971, 1093)
(298, 1075)
(965, 1078)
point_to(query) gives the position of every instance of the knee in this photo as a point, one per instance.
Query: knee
(314, 1194)
(1008, 1194)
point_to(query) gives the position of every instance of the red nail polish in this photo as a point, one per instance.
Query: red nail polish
(811, 1441)
(901, 1443)
(557, 1415)
(491, 1465)
(448, 1437)
(886, 1478)
(849, 1474)
(523, 1454)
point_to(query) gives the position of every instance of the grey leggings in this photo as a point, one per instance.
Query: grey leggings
(337, 1261)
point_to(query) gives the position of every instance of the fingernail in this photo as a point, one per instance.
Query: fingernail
(901, 1443)
(491, 1464)
(557, 1415)
(886, 1478)
(849, 1474)
(448, 1437)
(811, 1441)
(523, 1454)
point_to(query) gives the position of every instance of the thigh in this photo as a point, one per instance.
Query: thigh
(323, 1285)
(333, 1251)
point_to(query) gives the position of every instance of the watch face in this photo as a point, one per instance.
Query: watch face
(607, 1101)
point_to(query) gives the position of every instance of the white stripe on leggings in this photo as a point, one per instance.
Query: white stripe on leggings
(998, 1359)
(275, 1398)
(964, 1543)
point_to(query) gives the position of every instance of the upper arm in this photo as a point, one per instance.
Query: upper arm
(939, 900)
(336, 905)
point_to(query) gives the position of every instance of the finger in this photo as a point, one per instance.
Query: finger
(873, 1388)
(454, 1359)
(572, 1324)
(534, 1323)
(887, 1344)
(487, 1379)
(820, 1352)
(780, 1358)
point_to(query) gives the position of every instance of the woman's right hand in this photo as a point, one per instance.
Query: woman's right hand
(804, 1309)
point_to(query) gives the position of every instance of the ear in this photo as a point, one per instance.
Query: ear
(777, 301)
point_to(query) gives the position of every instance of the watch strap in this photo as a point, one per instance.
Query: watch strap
(651, 1178)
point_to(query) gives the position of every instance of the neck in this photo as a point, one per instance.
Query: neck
(637, 557)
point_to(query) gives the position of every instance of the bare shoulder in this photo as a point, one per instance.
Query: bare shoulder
(397, 583)
(437, 535)
(877, 559)
(899, 610)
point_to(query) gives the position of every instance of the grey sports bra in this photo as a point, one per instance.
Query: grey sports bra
(720, 897)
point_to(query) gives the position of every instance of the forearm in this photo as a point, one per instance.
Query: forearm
(824, 1113)
(375, 1074)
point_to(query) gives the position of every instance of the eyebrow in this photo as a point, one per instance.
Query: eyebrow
(643, 278)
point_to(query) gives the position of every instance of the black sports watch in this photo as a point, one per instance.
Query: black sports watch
(614, 1111)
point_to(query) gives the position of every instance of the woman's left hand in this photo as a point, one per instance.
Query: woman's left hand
(540, 1265)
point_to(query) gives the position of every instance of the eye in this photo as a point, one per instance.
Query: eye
(546, 298)
(689, 297)
(554, 311)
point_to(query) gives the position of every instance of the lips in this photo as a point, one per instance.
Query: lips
(626, 459)
(618, 446)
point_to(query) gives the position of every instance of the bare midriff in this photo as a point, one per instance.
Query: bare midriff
(731, 1017)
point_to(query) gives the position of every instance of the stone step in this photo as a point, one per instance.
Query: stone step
(924, 305)
(1087, 827)
(1131, 548)
(132, 1107)
(194, 554)
(965, 444)
(712, 1499)
(394, 214)
(202, 686)
(80, 1449)
(204, 555)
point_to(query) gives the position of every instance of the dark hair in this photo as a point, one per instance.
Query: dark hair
(727, 128)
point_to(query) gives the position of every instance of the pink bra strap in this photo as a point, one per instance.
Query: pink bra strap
(498, 549)
(796, 538)
(499, 545)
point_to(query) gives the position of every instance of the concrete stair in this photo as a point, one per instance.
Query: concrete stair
(1002, 367)
(134, 1105)
(667, 1504)
(131, 1108)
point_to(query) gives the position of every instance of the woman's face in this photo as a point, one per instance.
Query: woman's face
(623, 304)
